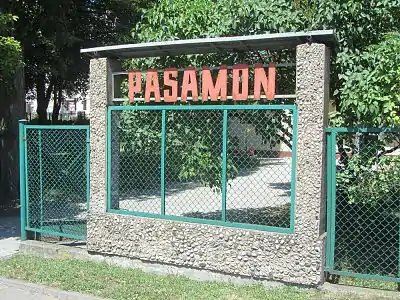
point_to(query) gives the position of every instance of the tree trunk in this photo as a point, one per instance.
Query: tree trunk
(57, 103)
(43, 97)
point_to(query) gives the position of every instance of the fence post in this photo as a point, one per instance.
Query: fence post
(22, 178)
(101, 95)
(312, 97)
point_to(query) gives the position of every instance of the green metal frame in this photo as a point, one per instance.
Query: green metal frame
(24, 187)
(331, 202)
(224, 109)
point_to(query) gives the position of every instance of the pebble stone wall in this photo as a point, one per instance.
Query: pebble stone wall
(293, 258)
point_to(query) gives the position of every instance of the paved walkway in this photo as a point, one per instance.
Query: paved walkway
(20, 290)
(9, 236)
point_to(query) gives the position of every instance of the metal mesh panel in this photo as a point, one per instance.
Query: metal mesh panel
(367, 220)
(136, 148)
(193, 164)
(172, 162)
(260, 148)
(57, 178)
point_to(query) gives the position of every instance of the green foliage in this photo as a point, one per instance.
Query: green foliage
(10, 50)
(193, 145)
(358, 24)
(10, 53)
(371, 90)
(370, 178)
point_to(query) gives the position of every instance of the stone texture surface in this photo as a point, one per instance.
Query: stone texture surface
(100, 94)
(295, 258)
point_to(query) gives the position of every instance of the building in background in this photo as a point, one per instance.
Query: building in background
(71, 108)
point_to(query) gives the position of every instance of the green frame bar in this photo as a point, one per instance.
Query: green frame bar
(329, 182)
(26, 179)
(22, 178)
(50, 127)
(294, 166)
(203, 221)
(224, 163)
(162, 175)
(40, 176)
(57, 233)
(225, 109)
(333, 200)
(206, 107)
(109, 149)
(87, 167)
(365, 276)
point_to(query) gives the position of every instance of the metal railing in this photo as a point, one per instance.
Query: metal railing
(54, 180)
(363, 208)
(229, 165)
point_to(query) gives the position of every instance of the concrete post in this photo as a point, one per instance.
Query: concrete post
(100, 94)
(312, 91)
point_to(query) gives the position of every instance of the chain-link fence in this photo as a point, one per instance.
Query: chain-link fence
(227, 165)
(57, 179)
(364, 208)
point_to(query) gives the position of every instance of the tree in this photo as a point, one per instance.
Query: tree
(10, 49)
(52, 33)
(370, 91)
(358, 25)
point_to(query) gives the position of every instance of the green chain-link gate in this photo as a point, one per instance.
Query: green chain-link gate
(54, 176)
(364, 203)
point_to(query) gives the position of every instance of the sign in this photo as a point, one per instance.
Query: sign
(200, 86)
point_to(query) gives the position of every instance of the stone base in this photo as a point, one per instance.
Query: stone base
(260, 255)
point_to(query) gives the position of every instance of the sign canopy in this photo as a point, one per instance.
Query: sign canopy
(271, 41)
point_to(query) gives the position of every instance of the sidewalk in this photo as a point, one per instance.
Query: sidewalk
(21, 290)
(9, 236)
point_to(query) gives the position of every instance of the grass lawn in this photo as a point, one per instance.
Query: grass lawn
(118, 283)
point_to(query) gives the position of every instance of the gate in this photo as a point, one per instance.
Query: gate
(54, 174)
(363, 208)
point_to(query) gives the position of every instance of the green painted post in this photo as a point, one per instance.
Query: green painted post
(224, 160)
(109, 206)
(398, 260)
(87, 167)
(294, 164)
(163, 136)
(26, 171)
(22, 178)
(40, 177)
(333, 199)
(329, 200)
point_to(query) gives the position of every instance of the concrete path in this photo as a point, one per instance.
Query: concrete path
(267, 185)
(20, 290)
(9, 236)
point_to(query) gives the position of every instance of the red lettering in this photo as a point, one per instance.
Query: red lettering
(189, 83)
(220, 87)
(134, 84)
(267, 83)
(152, 86)
(170, 79)
(243, 70)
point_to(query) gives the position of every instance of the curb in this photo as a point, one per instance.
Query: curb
(44, 290)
